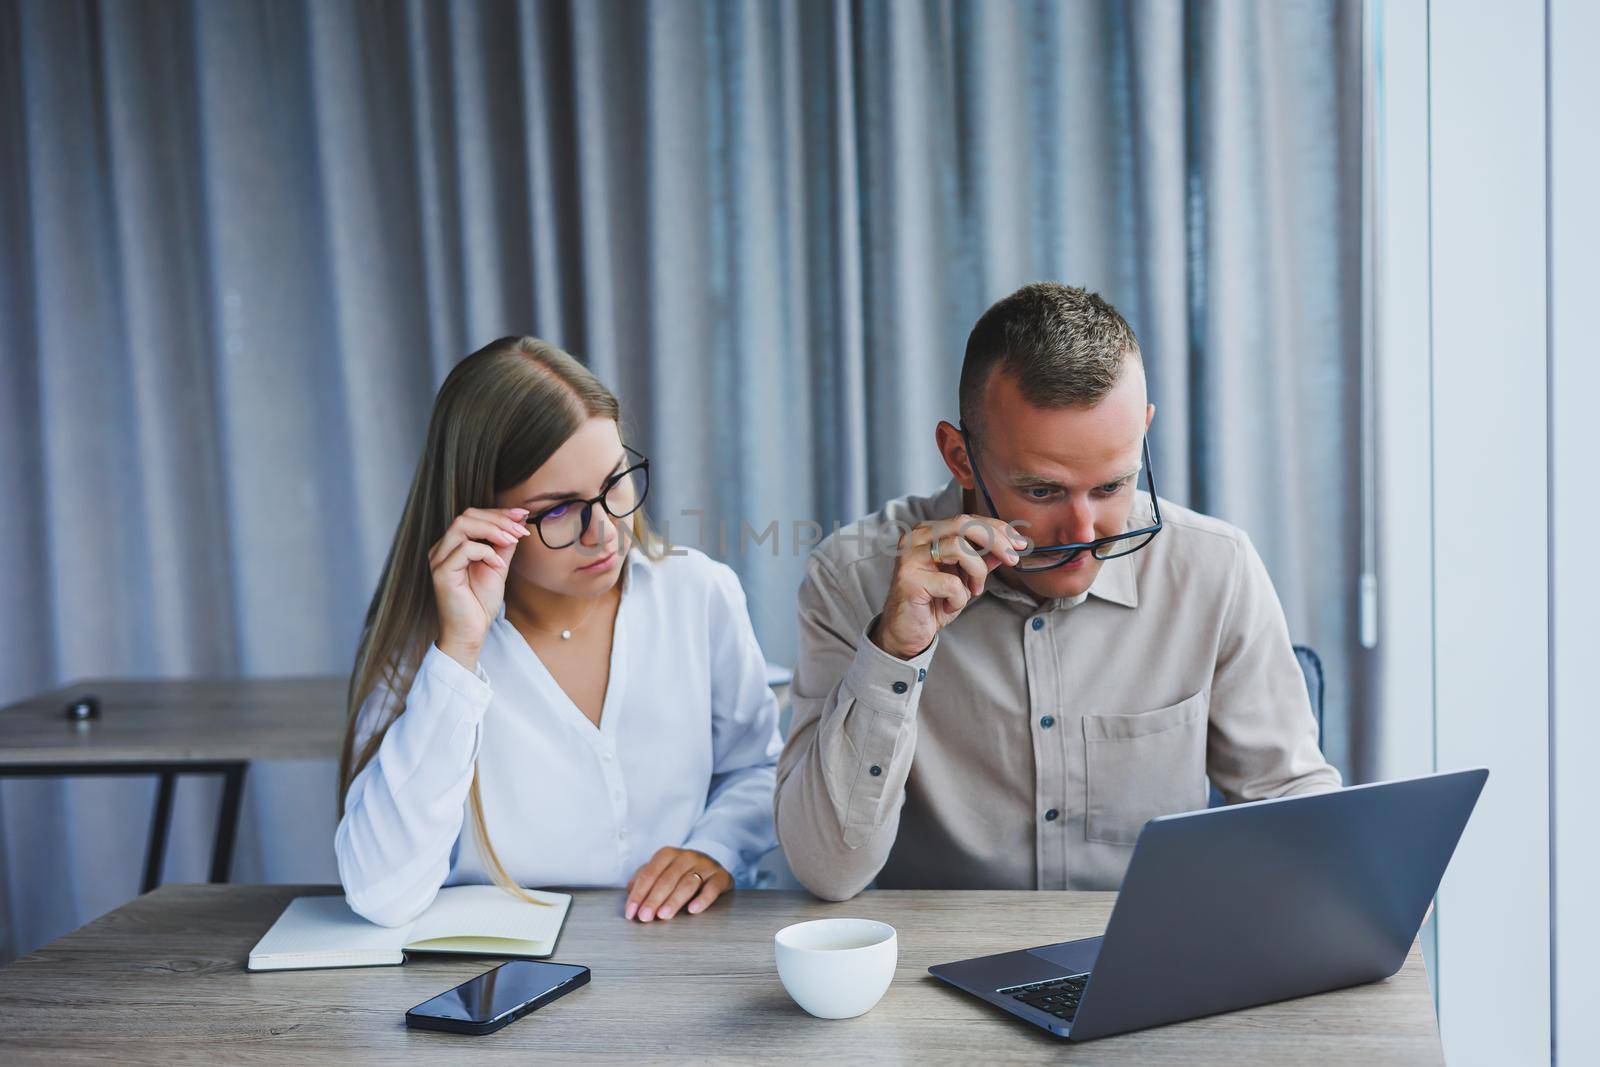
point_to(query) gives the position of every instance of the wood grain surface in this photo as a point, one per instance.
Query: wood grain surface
(162, 979)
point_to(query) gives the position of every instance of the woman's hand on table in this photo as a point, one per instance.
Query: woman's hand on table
(675, 879)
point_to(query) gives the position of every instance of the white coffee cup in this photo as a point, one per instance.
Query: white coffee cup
(836, 968)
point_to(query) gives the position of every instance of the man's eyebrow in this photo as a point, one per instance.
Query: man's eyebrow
(570, 494)
(1027, 481)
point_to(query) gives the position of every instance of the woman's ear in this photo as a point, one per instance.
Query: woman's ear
(954, 450)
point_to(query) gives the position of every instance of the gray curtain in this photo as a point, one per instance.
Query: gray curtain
(241, 244)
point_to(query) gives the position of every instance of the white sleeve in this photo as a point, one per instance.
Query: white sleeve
(736, 828)
(404, 811)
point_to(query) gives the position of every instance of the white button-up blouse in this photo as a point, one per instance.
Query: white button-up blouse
(684, 755)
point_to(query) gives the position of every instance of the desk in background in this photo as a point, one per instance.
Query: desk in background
(162, 979)
(168, 728)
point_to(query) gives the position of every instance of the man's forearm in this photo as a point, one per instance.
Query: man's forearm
(842, 778)
(813, 839)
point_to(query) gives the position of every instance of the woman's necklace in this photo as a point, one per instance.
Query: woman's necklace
(566, 632)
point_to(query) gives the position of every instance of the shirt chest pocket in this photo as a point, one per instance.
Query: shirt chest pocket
(1143, 765)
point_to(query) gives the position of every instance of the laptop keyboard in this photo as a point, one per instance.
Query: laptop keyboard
(1058, 996)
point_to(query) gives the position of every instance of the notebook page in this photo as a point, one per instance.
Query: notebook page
(324, 932)
(487, 911)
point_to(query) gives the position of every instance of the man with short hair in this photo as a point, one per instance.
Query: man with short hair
(998, 684)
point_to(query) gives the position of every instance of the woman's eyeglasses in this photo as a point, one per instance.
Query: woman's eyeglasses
(560, 525)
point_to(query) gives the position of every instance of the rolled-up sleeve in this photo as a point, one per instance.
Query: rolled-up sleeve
(842, 777)
(1262, 740)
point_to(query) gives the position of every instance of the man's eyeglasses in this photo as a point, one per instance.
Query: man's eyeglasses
(1049, 557)
(560, 525)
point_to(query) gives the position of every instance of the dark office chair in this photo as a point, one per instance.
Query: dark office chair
(1311, 667)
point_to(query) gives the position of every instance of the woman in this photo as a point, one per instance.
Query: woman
(595, 711)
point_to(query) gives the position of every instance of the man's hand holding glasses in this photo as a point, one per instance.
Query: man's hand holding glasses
(941, 568)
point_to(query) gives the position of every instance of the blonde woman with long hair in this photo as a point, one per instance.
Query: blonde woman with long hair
(541, 695)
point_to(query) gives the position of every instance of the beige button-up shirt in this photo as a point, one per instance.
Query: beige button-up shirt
(1026, 747)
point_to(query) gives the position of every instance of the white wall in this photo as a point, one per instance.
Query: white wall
(1397, 49)
(1487, 300)
(1575, 520)
(1486, 62)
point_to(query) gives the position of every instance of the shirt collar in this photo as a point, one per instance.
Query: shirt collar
(1116, 582)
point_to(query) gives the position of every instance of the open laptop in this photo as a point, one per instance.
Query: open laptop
(1231, 907)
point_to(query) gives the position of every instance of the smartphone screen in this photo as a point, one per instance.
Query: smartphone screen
(502, 990)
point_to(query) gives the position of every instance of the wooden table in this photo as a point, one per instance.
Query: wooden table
(162, 979)
(171, 727)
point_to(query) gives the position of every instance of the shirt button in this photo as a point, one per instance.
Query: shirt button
(875, 771)
(921, 673)
(1038, 624)
(1048, 721)
(899, 687)
(1051, 815)
(606, 755)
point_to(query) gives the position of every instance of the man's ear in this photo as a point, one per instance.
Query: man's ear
(1149, 416)
(954, 451)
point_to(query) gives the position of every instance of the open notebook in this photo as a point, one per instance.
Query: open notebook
(482, 920)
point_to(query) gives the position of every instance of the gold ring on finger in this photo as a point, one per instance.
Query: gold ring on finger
(933, 549)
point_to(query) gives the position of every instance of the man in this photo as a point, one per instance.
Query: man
(978, 706)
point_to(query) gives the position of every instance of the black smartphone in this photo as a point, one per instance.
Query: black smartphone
(484, 1004)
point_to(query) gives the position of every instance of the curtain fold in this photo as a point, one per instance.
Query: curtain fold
(242, 241)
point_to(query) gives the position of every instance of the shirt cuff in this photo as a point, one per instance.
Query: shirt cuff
(471, 686)
(885, 682)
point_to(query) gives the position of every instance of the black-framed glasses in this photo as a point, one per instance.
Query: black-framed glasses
(1048, 557)
(561, 524)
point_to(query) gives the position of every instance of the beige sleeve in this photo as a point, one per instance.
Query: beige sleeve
(842, 775)
(1262, 740)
